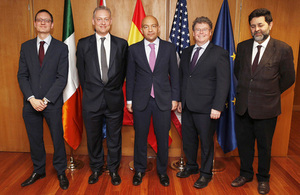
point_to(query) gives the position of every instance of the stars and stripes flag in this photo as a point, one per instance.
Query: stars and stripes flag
(72, 108)
(179, 36)
(223, 36)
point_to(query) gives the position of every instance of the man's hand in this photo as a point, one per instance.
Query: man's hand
(129, 108)
(174, 105)
(215, 114)
(179, 108)
(37, 104)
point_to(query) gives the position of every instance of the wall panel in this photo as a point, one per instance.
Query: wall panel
(16, 27)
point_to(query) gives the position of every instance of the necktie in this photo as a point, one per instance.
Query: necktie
(255, 61)
(152, 59)
(41, 52)
(103, 62)
(194, 59)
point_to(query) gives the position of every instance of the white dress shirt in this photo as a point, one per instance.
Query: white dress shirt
(107, 44)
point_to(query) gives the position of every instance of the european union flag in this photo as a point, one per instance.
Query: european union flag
(223, 37)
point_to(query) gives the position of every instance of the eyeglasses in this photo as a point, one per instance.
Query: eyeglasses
(43, 20)
(204, 30)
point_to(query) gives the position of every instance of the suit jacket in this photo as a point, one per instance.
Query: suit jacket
(259, 92)
(47, 81)
(139, 76)
(94, 90)
(207, 86)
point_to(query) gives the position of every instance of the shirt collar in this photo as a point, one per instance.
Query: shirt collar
(204, 46)
(47, 40)
(107, 37)
(156, 42)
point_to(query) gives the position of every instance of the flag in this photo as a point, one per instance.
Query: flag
(102, 2)
(72, 108)
(179, 36)
(223, 36)
(135, 35)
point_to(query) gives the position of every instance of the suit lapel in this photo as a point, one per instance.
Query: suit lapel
(94, 55)
(113, 51)
(144, 56)
(270, 50)
(35, 56)
(48, 54)
(203, 56)
(161, 48)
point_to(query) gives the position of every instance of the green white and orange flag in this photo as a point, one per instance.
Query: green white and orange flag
(135, 35)
(72, 94)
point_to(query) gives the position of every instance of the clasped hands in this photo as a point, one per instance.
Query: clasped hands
(37, 104)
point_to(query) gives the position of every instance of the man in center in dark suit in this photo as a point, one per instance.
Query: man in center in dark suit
(205, 79)
(101, 63)
(152, 89)
(264, 69)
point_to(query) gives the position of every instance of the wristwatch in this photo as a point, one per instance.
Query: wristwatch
(45, 101)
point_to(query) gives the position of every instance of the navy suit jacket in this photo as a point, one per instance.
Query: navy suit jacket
(165, 76)
(94, 90)
(207, 86)
(259, 92)
(47, 81)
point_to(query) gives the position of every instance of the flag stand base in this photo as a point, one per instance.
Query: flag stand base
(74, 164)
(178, 164)
(218, 166)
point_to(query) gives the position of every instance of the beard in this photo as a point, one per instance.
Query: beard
(262, 37)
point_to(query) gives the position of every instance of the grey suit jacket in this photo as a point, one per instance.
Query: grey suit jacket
(47, 81)
(259, 92)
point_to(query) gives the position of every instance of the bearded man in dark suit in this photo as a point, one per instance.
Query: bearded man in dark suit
(264, 69)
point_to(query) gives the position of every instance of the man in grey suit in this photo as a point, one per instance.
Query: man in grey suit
(152, 89)
(204, 79)
(42, 76)
(101, 63)
(264, 69)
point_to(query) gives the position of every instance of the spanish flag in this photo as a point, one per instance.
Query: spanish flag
(72, 108)
(135, 35)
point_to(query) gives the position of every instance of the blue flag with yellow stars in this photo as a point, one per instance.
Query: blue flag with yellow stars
(223, 37)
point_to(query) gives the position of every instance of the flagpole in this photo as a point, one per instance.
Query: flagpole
(179, 164)
(218, 166)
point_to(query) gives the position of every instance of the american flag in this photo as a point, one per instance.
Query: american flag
(179, 36)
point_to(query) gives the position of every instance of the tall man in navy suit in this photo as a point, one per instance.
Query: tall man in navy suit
(264, 69)
(42, 76)
(205, 80)
(152, 89)
(101, 63)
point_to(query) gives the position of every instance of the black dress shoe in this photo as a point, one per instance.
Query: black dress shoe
(115, 178)
(202, 182)
(137, 178)
(164, 179)
(240, 181)
(263, 187)
(33, 178)
(63, 181)
(94, 177)
(187, 172)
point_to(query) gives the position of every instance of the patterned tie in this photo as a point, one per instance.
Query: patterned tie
(152, 59)
(255, 61)
(103, 62)
(41, 52)
(194, 59)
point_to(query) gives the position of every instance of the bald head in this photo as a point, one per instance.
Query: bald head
(150, 28)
